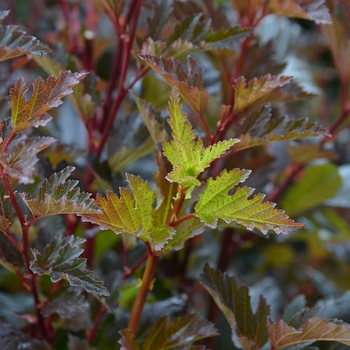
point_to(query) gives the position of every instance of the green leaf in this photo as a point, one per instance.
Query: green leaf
(60, 260)
(314, 329)
(261, 127)
(166, 334)
(234, 302)
(57, 195)
(15, 43)
(247, 94)
(188, 157)
(47, 94)
(189, 85)
(132, 213)
(215, 203)
(66, 302)
(318, 183)
(22, 157)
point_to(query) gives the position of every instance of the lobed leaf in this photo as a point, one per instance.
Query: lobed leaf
(315, 10)
(132, 213)
(187, 155)
(190, 85)
(166, 334)
(56, 195)
(261, 127)
(314, 329)
(15, 43)
(247, 94)
(234, 302)
(22, 157)
(47, 94)
(61, 260)
(215, 203)
(128, 340)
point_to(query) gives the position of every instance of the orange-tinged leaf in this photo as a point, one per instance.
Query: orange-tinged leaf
(247, 94)
(47, 94)
(314, 329)
(15, 43)
(190, 85)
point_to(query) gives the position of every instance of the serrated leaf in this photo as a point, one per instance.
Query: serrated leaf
(187, 155)
(190, 85)
(166, 334)
(128, 340)
(318, 183)
(47, 94)
(314, 10)
(234, 302)
(261, 127)
(224, 38)
(66, 302)
(246, 94)
(57, 195)
(22, 157)
(61, 260)
(215, 203)
(15, 43)
(132, 213)
(314, 329)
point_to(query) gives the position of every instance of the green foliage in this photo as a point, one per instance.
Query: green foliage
(177, 112)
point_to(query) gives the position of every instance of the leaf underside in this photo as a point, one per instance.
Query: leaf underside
(61, 260)
(215, 203)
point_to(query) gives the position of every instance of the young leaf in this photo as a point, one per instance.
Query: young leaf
(47, 94)
(260, 127)
(57, 195)
(234, 302)
(188, 157)
(314, 329)
(6, 210)
(215, 203)
(132, 213)
(22, 157)
(318, 183)
(247, 94)
(60, 260)
(166, 334)
(15, 43)
(189, 85)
